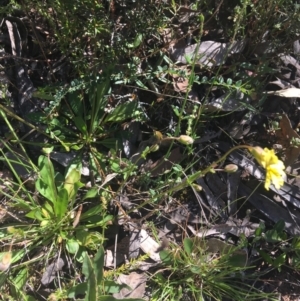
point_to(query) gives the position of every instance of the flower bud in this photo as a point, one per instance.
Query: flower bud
(44, 223)
(197, 187)
(259, 154)
(186, 140)
(5, 261)
(59, 239)
(230, 168)
(154, 148)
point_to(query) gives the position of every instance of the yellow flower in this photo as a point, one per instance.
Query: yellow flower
(274, 167)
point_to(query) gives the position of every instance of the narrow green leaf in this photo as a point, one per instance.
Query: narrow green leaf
(21, 278)
(98, 100)
(94, 211)
(75, 102)
(188, 246)
(111, 298)
(98, 263)
(91, 194)
(89, 272)
(81, 125)
(110, 143)
(122, 112)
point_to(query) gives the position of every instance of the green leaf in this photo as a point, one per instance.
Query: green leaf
(280, 260)
(79, 289)
(80, 254)
(36, 117)
(137, 41)
(140, 84)
(45, 184)
(267, 258)
(61, 205)
(110, 298)
(91, 194)
(72, 178)
(95, 221)
(229, 81)
(188, 246)
(72, 246)
(3, 277)
(89, 272)
(166, 257)
(98, 99)
(259, 230)
(20, 280)
(81, 125)
(94, 211)
(122, 112)
(98, 263)
(238, 258)
(75, 102)
(111, 287)
(273, 236)
(111, 143)
(280, 225)
(35, 214)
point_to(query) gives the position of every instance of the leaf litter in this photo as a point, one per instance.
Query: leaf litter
(222, 197)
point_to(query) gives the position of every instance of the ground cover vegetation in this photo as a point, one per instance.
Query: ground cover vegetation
(149, 150)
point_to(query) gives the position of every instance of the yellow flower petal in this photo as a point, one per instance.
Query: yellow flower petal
(274, 167)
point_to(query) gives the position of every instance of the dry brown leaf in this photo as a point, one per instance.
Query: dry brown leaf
(210, 53)
(180, 84)
(149, 246)
(288, 93)
(137, 283)
(162, 166)
(285, 135)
